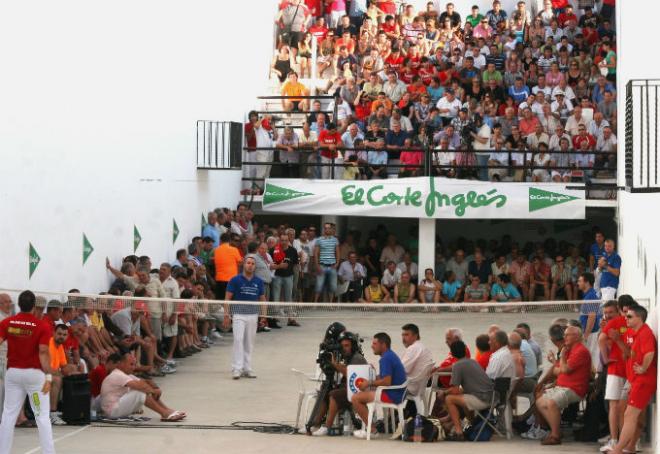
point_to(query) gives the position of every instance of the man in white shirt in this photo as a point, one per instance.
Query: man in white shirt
(480, 145)
(448, 106)
(394, 88)
(597, 125)
(391, 276)
(501, 361)
(575, 121)
(542, 87)
(417, 360)
(352, 272)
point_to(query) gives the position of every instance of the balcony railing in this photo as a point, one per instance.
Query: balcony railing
(219, 144)
(641, 153)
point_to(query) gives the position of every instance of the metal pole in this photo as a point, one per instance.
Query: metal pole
(314, 74)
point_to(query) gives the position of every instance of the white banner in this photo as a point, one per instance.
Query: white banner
(425, 197)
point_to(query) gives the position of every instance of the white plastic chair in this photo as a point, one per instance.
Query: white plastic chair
(420, 399)
(385, 407)
(305, 395)
(434, 388)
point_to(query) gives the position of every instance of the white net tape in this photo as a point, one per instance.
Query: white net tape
(310, 310)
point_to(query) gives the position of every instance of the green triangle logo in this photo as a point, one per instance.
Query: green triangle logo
(137, 239)
(34, 260)
(87, 249)
(203, 221)
(275, 194)
(175, 231)
(540, 199)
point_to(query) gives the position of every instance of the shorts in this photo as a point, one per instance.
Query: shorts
(640, 395)
(614, 387)
(607, 293)
(129, 403)
(473, 403)
(563, 397)
(157, 327)
(625, 392)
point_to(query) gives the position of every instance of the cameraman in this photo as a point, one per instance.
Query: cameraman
(338, 398)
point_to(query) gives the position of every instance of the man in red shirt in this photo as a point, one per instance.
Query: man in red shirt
(573, 373)
(329, 141)
(28, 373)
(319, 30)
(612, 345)
(642, 372)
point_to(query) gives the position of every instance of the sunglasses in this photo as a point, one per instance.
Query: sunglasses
(630, 316)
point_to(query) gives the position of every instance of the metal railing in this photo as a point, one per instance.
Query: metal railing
(219, 144)
(641, 141)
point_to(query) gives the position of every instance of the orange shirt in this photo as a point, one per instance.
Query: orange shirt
(57, 355)
(227, 258)
(293, 89)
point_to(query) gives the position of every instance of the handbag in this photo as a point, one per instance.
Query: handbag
(286, 29)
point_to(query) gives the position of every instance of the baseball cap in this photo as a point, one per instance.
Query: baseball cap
(56, 304)
(559, 93)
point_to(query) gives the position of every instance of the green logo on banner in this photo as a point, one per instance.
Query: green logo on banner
(175, 231)
(34, 260)
(136, 238)
(203, 221)
(540, 199)
(87, 248)
(274, 194)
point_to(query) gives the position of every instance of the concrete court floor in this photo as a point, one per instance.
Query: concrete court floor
(203, 387)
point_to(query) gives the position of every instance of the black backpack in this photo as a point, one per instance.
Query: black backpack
(430, 431)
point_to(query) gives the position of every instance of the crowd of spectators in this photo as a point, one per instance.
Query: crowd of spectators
(523, 95)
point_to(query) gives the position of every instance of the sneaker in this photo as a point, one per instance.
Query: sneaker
(56, 420)
(638, 446)
(322, 431)
(362, 434)
(608, 446)
(236, 374)
(604, 440)
(205, 339)
(216, 335)
(535, 433)
(167, 369)
(248, 374)
(170, 362)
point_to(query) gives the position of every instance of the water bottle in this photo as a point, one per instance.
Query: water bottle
(417, 435)
(347, 426)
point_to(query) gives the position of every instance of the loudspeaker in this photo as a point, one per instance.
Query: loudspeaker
(76, 399)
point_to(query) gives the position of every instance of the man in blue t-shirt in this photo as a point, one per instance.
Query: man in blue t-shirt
(243, 317)
(590, 315)
(596, 250)
(392, 373)
(503, 291)
(609, 265)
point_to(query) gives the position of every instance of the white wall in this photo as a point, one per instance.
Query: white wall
(97, 126)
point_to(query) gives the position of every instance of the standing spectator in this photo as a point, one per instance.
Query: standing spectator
(642, 375)
(28, 373)
(287, 145)
(590, 316)
(285, 258)
(573, 372)
(609, 266)
(326, 254)
(243, 287)
(211, 228)
(227, 259)
(392, 252)
(329, 143)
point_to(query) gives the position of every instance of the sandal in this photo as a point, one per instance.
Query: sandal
(551, 440)
(174, 417)
(455, 437)
(26, 424)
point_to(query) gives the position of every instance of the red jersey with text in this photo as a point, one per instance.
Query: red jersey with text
(617, 364)
(643, 342)
(24, 333)
(326, 139)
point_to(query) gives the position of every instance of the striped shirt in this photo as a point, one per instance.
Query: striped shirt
(327, 250)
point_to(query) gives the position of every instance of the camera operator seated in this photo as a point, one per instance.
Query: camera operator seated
(338, 398)
(391, 373)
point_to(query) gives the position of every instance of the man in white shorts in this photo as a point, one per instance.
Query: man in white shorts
(573, 372)
(611, 342)
(123, 394)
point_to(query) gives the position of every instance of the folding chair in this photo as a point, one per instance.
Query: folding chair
(305, 395)
(502, 387)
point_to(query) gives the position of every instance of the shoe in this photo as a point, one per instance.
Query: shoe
(608, 446)
(216, 335)
(535, 433)
(235, 375)
(248, 374)
(292, 322)
(167, 369)
(638, 446)
(362, 434)
(170, 362)
(603, 440)
(56, 420)
(322, 431)
(551, 441)
(266, 329)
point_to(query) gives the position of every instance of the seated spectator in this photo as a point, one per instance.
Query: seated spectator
(123, 394)
(503, 291)
(500, 363)
(573, 371)
(377, 161)
(408, 265)
(375, 292)
(417, 360)
(481, 268)
(60, 367)
(404, 290)
(293, 88)
(353, 272)
(526, 368)
(391, 373)
(541, 163)
(476, 292)
(470, 389)
(452, 288)
(444, 160)
(429, 288)
(562, 283)
(539, 279)
(98, 374)
(483, 351)
(391, 276)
